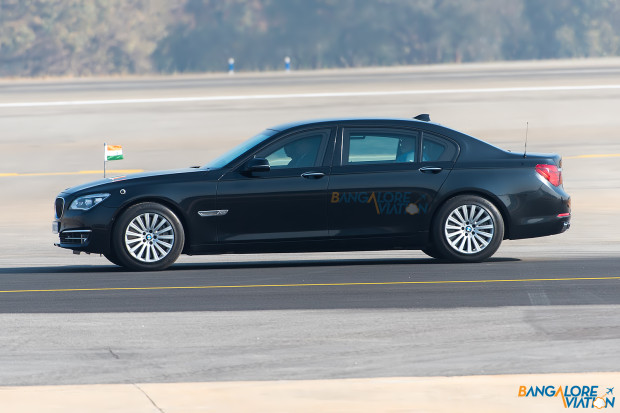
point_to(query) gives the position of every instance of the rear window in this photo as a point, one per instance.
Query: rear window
(437, 149)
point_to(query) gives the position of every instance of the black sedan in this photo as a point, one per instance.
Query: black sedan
(326, 185)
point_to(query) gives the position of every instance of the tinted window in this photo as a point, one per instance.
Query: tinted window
(437, 149)
(239, 150)
(301, 151)
(379, 146)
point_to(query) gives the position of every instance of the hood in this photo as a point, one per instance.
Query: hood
(129, 177)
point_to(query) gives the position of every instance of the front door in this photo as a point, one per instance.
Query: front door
(286, 203)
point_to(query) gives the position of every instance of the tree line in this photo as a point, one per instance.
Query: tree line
(95, 37)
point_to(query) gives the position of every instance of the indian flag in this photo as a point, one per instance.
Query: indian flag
(113, 152)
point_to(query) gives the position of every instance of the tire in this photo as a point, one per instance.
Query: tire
(432, 251)
(111, 256)
(148, 237)
(467, 228)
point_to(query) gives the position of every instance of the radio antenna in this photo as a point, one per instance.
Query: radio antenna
(527, 127)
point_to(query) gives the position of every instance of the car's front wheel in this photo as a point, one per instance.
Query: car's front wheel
(111, 256)
(468, 228)
(433, 252)
(148, 237)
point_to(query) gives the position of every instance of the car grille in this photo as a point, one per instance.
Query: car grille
(59, 207)
(74, 236)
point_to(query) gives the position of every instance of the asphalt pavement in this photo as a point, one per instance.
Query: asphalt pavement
(312, 285)
(396, 77)
(308, 319)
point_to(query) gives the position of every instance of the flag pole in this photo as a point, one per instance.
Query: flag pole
(104, 158)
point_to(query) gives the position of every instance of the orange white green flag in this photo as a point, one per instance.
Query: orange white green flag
(113, 152)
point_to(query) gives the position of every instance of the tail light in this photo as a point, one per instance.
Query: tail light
(551, 173)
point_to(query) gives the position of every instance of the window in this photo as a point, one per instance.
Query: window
(379, 146)
(436, 149)
(239, 150)
(300, 151)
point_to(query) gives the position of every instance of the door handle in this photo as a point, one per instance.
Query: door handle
(312, 175)
(431, 169)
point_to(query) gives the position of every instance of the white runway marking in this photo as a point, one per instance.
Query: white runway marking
(539, 298)
(307, 96)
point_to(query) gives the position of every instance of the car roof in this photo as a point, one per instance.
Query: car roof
(471, 147)
(289, 125)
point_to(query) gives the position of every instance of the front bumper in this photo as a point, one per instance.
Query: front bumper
(85, 231)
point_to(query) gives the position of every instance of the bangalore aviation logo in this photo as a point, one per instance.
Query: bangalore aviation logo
(385, 203)
(573, 397)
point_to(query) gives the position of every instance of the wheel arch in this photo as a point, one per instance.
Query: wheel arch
(501, 207)
(163, 201)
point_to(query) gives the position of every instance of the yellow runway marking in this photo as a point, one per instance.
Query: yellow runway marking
(213, 287)
(602, 155)
(112, 171)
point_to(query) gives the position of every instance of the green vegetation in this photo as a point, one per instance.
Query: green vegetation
(81, 37)
(85, 37)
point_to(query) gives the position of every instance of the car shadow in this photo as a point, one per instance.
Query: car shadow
(283, 263)
(320, 263)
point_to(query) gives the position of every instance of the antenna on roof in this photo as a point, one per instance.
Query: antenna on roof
(424, 117)
(527, 127)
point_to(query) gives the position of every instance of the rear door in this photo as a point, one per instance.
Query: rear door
(384, 180)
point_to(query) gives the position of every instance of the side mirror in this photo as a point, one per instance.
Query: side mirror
(257, 165)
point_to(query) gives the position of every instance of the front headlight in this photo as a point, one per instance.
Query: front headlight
(86, 202)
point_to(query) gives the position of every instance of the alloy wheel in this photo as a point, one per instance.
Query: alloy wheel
(149, 237)
(469, 229)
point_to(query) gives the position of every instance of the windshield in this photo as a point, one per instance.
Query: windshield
(226, 158)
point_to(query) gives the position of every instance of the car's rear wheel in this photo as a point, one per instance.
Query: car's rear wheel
(148, 237)
(468, 228)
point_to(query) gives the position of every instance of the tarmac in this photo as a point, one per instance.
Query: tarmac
(476, 394)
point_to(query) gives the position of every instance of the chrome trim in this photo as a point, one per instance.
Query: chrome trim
(80, 235)
(213, 213)
(312, 175)
(433, 169)
(62, 210)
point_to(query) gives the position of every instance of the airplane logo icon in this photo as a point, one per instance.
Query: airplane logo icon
(610, 390)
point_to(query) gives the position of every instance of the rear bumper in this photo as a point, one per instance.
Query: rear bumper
(540, 213)
(542, 226)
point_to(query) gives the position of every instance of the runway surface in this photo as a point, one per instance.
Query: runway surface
(312, 285)
(547, 305)
(291, 320)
